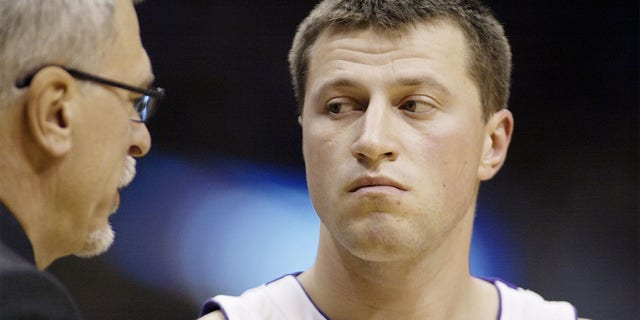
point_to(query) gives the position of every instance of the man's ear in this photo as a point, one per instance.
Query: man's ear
(300, 120)
(49, 111)
(498, 132)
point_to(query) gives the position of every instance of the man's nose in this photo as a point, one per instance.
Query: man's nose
(375, 137)
(141, 143)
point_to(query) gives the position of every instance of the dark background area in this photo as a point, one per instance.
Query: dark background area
(569, 190)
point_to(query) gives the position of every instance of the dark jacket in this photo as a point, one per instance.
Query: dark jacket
(25, 291)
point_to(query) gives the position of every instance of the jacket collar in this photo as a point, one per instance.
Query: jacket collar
(12, 234)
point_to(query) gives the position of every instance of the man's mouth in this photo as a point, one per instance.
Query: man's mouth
(375, 183)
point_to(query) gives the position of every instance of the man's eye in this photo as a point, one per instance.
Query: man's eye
(416, 106)
(339, 107)
(334, 107)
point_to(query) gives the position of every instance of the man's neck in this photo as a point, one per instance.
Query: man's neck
(31, 207)
(436, 285)
(26, 224)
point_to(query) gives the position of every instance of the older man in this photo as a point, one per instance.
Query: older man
(74, 96)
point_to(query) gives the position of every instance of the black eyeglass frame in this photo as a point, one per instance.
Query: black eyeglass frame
(157, 93)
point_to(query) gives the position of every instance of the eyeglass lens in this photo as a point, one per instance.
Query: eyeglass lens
(144, 107)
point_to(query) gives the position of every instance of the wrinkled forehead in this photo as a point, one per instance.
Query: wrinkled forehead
(378, 39)
(126, 58)
(379, 31)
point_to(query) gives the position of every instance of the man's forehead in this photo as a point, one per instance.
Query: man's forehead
(398, 31)
(126, 59)
(382, 39)
(443, 41)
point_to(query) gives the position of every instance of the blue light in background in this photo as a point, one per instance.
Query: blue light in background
(241, 237)
(205, 227)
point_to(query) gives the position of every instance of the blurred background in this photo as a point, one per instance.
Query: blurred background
(220, 205)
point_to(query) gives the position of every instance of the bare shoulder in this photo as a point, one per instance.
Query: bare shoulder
(216, 315)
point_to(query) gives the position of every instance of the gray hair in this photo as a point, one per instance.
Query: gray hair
(35, 33)
(489, 62)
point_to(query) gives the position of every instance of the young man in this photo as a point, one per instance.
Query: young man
(403, 114)
(73, 101)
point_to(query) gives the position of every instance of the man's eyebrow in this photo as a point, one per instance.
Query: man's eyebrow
(409, 81)
(424, 81)
(339, 83)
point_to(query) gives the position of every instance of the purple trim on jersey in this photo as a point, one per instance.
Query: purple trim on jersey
(308, 297)
(211, 306)
(295, 276)
(493, 281)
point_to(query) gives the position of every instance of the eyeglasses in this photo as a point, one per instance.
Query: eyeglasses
(145, 105)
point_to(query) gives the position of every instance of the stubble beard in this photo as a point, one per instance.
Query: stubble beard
(100, 240)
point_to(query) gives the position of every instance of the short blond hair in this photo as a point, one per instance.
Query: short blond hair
(490, 54)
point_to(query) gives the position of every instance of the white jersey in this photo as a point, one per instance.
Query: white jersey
(285, 299)
(520, 304)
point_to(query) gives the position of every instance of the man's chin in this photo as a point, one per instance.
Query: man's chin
(97, 242)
